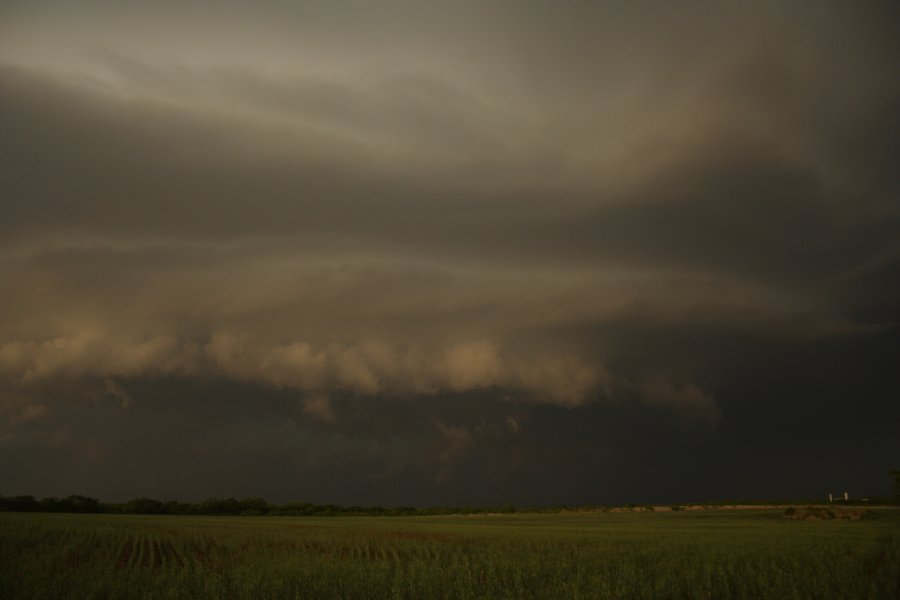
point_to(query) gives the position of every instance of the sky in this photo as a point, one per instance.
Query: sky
(442, 253)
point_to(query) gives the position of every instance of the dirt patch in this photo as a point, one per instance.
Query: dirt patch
(820, 513)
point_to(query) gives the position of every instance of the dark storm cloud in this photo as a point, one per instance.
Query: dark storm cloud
(729, 203)
(441, 253)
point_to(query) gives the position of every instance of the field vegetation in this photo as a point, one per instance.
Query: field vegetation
(673, 554)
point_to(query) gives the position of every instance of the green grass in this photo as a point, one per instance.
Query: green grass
(707, 554)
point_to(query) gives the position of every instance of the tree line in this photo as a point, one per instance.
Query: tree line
(232, 506)
(257, 506)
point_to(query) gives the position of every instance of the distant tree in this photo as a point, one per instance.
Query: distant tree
(51, 504)
(295, 508)
(895, 475)
(71, 504)
(145, 506)
(254, 506)
(173, 507)
(220, 506)
(19, 503)
(212, 506)
(81, 504)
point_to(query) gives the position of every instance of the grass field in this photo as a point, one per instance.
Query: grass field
(704, 554)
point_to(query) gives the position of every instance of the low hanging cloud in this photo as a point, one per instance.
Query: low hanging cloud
(97, 355)
(687, 401)
(364, 369)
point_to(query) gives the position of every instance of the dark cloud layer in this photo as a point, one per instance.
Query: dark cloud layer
(478, 253)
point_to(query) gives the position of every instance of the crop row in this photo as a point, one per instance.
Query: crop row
(633, 556)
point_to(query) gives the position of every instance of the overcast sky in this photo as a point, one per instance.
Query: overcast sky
(449, 252)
